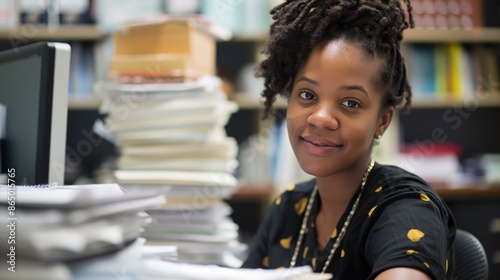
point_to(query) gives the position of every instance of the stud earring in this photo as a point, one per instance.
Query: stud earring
(378, 137)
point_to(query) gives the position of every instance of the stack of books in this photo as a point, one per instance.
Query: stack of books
(169, 125)
(54, 230)
(453, 71)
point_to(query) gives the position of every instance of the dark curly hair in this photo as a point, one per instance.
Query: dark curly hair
(376, 26)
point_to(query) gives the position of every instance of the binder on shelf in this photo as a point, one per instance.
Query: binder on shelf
(423, 71)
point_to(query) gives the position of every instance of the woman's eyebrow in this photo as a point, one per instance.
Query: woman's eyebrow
(355, 87)
(304, 78)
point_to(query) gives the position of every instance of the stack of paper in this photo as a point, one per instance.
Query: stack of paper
(203, 235)
(170, 126)
(195, 219)
(171, 137)
(50, 226)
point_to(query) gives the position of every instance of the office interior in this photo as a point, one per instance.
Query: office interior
(450, 137)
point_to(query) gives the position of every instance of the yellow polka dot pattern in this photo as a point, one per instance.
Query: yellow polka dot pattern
(285, 242)
(415, 235)
(371, 211)
(334, 233)
(301, 205)
(265, 261)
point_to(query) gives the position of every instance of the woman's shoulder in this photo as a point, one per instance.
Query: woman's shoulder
(392, 180)
(395, 176)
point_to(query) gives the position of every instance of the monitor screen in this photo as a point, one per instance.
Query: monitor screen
(34, 90)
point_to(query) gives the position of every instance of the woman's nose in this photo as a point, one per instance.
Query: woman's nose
(323, 116)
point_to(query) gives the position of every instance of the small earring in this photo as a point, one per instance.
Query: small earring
(378, 137)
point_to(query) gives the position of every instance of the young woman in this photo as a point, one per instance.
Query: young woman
(338, 63)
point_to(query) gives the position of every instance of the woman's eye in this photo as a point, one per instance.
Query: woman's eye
(351, 104)
(307, 95)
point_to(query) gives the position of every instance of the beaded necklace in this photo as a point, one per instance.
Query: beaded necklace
(344, 227)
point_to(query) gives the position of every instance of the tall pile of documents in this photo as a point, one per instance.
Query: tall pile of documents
(168, 114)
(173, 138)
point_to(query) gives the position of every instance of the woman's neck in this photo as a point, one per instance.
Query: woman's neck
(336, 191)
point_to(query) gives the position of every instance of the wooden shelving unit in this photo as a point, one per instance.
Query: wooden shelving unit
(31, 32)
(472, 192)
(481, 100)
(479, 35)
(466, 192)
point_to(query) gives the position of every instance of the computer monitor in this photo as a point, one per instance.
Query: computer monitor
(34, 89)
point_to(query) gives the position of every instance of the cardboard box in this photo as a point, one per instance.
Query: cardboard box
(179, 43)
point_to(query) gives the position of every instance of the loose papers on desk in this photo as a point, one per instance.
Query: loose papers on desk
(156, 270)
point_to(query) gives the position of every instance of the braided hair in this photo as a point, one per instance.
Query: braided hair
(299, 25)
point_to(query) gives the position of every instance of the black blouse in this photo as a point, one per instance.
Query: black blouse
(400, 222)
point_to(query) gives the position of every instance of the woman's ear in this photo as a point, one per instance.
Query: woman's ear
(384, 121)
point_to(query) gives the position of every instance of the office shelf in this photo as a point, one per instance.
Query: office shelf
(468, 191)
(478, 35)
(482, 100)
(31, 32)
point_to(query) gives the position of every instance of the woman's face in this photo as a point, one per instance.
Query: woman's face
(334, 109)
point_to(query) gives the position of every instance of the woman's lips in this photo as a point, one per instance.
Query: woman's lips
(318, 146)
